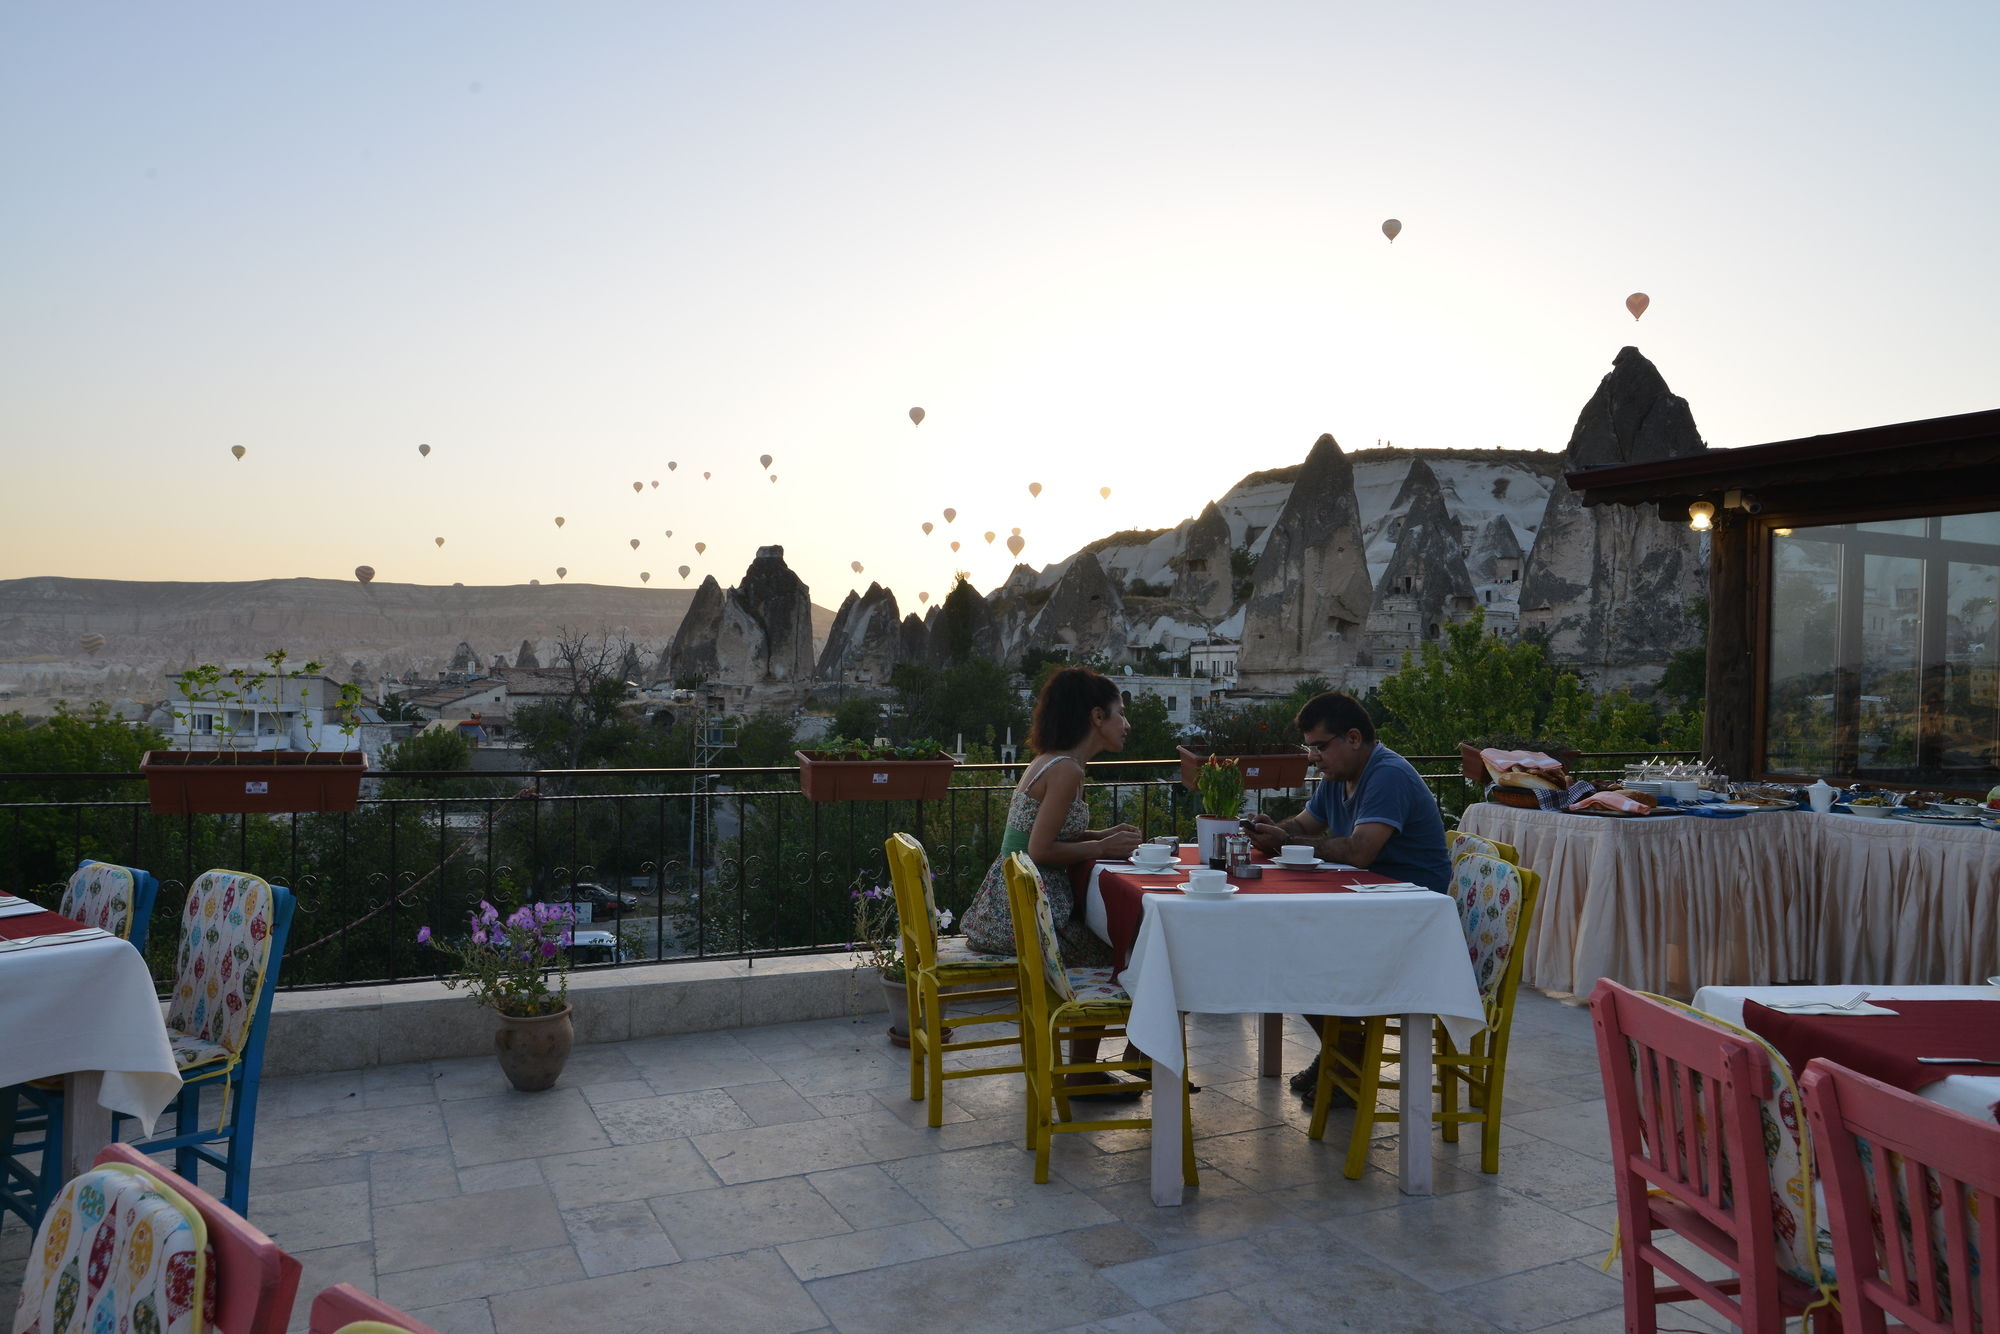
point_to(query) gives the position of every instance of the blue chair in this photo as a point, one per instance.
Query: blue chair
(114, 898)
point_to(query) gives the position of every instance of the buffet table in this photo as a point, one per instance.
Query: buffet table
(1672, 903)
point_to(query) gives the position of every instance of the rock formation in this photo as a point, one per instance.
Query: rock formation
(1496, 555)
(1084, 610)
(913, 639)
(1310, 596)
(463, 659)
(1610, 587)
(694, 648)
(1426, 586)
(866, 641)
(962, 627)
(1202, 576)
(526, 657)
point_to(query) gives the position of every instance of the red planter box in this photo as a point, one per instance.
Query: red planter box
(225, 782)
(1259, 771)
(873, 780)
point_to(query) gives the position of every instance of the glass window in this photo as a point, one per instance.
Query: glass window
(1884, 654)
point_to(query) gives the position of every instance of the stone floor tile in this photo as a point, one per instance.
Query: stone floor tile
(855, 1071)
(302, 1176)
(397, 1095)
(988, 1196)
(468, 1077)
(1216, 1313)
(1022, 1287)
(1578, 1125)
(1275, 1158)
(307, 1139)
(406, 1176)
(317, 1217)
(842, 1104)
(516, 1125)
(1538, 1297)
(1217, 1211)
(411, 1074)
(318, 1269)
(1561, 1178)
(752, 1293)
(497, 1176)
(467, 1317)
(669, 1116)
(898, 1103)
(1377, 1188)
(1450, 1241)
(1108, 1244)
(850, 1252)
(810, 1146)
(467, 1227)
(623, 1090)
(741, 1218)
(309, 1095)
(1192, 1273)
(626, 1172)
(475, 1280)
(867, 1198)
(685, 1065)
(774, 1104)
(612, 1238)
(1132, 1322)
(1346, 1292)
(1086, 1167)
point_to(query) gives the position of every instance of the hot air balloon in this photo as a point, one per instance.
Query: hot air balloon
(700, 547)
(684, 571)
(638, 486)
(559, 520)
(1390, 228)
(670, 532)
(916, 416)
(645, 576)
(1015, 531)
(424, 450)
(774, 477)
(764, 461)
(92, 644)
(237, 450)
(927, 528)
(855, 565)
(949, 515)
(705, 476)
(656, 486)
(635, 544)
(1034, 488)
(534, 583)
(954, 546)
(1637, 303)
(989, 538)
(671, 465)
(365, 573)
(438, 540)
(1104, 492)
(1015, 543)
(562, 572)
(923, 597)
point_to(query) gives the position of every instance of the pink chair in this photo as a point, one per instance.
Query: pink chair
(1880, 1149)
(1699, 1117)
(344, 1306)
(253, 1281)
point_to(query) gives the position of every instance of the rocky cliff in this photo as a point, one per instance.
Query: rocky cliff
(1311, 594)
(759, 633)
(1084, 610)
(1425, 586)
(866, 641)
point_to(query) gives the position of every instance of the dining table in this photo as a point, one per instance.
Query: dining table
(1326, 939)
(1902, 1035)
(81, 1005)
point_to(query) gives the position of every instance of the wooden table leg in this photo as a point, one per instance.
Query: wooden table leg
(1271, 1045)
(86, 1124)
(1413, 1150)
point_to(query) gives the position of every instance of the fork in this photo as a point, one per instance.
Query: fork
(1859, 999)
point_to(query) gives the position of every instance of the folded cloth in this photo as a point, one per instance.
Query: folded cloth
(1513, 768)
(19, 909)
(1610, 801)
(1399, 887)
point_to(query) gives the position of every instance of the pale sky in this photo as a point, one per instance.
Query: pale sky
(1126, 245)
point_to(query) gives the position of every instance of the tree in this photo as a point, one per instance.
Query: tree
(435, 750)
(857, 719)
(394, 708)
(1154, 735)
(765, 740)
(590, 727)
(974, 699)
(960, 609)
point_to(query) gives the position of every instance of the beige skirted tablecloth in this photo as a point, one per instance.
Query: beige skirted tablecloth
(1675, 903)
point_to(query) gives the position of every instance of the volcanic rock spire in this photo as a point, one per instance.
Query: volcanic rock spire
(1311, 594)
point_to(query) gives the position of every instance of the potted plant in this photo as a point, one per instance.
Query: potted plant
(878, 943)
(855, 771)
(1257, 738)
(1219, 782)
(232, 780)
(506, 964)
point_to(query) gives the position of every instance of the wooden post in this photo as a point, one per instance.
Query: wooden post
(1730, 719)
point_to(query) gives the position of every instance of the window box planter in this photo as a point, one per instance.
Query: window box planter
(1259, 771)
(236, 782)
(823, 779)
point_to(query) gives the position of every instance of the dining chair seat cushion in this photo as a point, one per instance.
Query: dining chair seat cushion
(954, 949)
(225, 952)
(192, 1053)
(1089, 986)
(115, 1253)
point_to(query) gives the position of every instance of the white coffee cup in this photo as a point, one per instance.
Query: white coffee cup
(1299, 853)
(1207, 879)
(1152, 854)
(1685, 791)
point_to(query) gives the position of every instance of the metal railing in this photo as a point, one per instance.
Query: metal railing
(718, 862)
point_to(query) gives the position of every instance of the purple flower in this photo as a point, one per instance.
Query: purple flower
(487, 912)
(548, 949)
(479, 935)
(423, 935)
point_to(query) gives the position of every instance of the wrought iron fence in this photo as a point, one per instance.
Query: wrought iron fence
(674, 864)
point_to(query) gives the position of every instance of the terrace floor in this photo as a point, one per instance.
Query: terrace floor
(778, 1179)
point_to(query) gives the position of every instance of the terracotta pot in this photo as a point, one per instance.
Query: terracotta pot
(534, 1050)
(1285, 769)
(247, 782)
(873, 780)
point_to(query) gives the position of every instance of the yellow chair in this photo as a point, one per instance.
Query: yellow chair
(930, 966)
(1496, 903)
(1459, 844)
(1061, 1003)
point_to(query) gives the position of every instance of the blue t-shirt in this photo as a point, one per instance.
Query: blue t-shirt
(1390, 792)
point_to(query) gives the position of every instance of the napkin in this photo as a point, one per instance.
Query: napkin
(62, 938)
(1398, 887)
(16, 908)
(1822, 1007)
(1134, 868)
(1337, 866)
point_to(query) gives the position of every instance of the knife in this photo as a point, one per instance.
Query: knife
(1955, 1060)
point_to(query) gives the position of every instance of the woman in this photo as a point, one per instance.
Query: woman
(1078, 716)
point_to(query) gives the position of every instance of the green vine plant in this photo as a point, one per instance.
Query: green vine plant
(843, 748)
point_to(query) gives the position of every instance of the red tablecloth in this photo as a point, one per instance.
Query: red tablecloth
(1124, 893)
(1885, 1047)
(35, 924)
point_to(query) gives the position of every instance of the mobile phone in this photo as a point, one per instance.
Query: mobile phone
(1246, 826)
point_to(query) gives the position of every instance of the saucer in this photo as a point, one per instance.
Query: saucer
(1167, 865)
(1303, 864)
(1194, 893)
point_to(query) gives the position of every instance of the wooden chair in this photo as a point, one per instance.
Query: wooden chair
(1496, 903)
(346, 1309)
(1057, 1004)
(1459, 844)
(929, 967)
(1706, 1144)
(1913, 1194)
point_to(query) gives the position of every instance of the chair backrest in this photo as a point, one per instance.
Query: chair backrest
(1496, 906)
(115, 1251)
(118, 899)
(346, 1309)
(916, 901)
(1460, 844)
(251, 1281)
(223, 974)
(1705, 1114)
(1909, 1187)
(1043, 980)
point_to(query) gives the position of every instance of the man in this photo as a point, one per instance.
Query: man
(1371, 810)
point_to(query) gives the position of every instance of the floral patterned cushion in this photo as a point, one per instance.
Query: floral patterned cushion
(1488, 893)
(1472, 845)
(192, 1053)
(953, 949)
(1052, 960)
(225, 956)
(101, 895)
(114, 1254)
(1094, 986)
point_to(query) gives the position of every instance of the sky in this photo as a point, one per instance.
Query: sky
(575, 246)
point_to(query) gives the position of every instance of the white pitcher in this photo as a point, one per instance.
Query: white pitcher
(1821, 796)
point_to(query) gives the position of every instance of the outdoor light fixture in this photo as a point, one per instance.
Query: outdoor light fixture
(1782, 532)
(1701, 516)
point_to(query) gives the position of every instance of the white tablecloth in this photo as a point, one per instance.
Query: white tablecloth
(1975, 1095)
(1674, 903)
(1340, 954)
(87, 1006)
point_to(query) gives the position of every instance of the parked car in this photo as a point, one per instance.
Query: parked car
(587, 946)
(601, 898)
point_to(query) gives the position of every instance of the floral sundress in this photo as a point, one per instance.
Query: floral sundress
(989, 926)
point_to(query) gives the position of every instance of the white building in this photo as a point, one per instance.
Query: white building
(299, 713)
(1215, 660)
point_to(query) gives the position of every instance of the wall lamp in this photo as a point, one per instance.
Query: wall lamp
(1701, 513)
(1701, 516)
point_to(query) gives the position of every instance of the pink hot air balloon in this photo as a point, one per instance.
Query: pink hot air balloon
(1015, 543)
(923, 597)
(1637, 303)
(1390, 228)
(774, 477)
(854, 565)
(656, 486)
(705, 476)
(424, 450)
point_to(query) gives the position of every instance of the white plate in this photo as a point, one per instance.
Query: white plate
(1993, 981)
(1166, 865)
(1304, 864)
(1194, 893)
